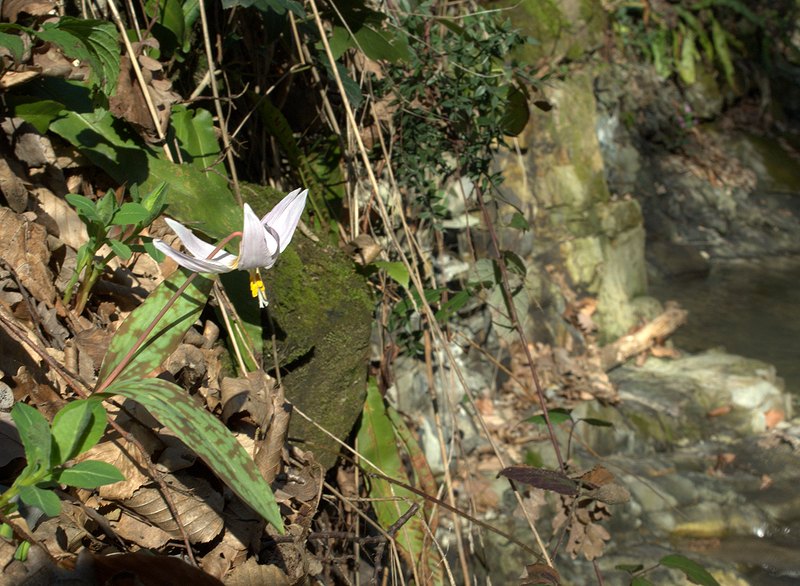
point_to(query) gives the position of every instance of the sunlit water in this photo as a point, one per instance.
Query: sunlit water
(750, 308)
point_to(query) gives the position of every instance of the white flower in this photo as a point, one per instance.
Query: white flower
(261, 243)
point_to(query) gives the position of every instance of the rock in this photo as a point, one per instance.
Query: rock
(321, 313)
(673, 260)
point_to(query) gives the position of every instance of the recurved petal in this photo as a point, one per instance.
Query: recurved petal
(259, 246)
(224, 262)
(192, 243)
(283, 218)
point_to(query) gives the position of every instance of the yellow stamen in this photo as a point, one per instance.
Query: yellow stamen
(256, 285)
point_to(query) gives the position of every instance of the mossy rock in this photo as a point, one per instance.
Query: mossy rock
(321, 314)
(568, 28)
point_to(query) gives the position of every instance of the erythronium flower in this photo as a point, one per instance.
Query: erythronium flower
(261, 243)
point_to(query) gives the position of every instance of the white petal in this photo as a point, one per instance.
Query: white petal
(259, 247)
(221, 264)
(283, 218)
(192, 243)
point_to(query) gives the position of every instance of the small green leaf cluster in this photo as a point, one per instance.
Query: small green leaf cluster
(48, 449)
(456, 98)
(117, 224)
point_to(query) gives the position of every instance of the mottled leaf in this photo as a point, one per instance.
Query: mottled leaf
(206, 435)
(166, 336)
(551, 480)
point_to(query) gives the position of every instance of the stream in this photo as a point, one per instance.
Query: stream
(751, 308)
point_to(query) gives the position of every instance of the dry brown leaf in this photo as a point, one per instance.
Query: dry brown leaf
(249, 395)
(12, 185)
(68, 226)
(122, 454)
(199, 507)
(773, 417)
(540, 574)
(23, 245)
(269, 452)
(251, 573)
(142, 569)
(13, 8)
(142, 533)
(719, 411)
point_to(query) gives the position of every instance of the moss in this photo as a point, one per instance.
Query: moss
(321, 313)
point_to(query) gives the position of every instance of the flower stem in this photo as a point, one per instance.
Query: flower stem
(102, 386)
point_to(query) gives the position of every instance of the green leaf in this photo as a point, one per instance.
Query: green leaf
(130, 213)
(557, 415)
(452, 305)
(198, 143)
(34, 432)
(516, 115)
(95, 41)
(166, 336)
(383, 44)
(121, 249)
(192, 199)
(378, 444)
(90, 474)
(696, 573)
(639, 581)
(84, 206)
(518, 222)
(78, 426)
(106, 207)
(39, 113)
(14, 45)
(630, 568)
(686, 63)
(596, 422)
(41, 498)
(515, 263)
(720, 39)
(396, 270)
(206, 435)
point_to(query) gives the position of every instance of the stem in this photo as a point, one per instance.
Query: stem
(142, 338)
(512, 309)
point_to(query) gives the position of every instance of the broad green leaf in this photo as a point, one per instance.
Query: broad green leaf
(382, 44)
(166, 336)
(425, 480)
(696, 573)
(95, 41)
(169, 26)
(639, 581)
(515, 263)
(276, 6)
(192, 199)
(130, 213)
(90, 474)
(14, 45)
(77, 427)
(340, 41)
(34, 432)
(378, 444)
(517, 113)
(41, 498)
(39, 113)
(198, 142)
(83, 205)
(106, 207)
(396, 270)
(557, 415)
(205, 434)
